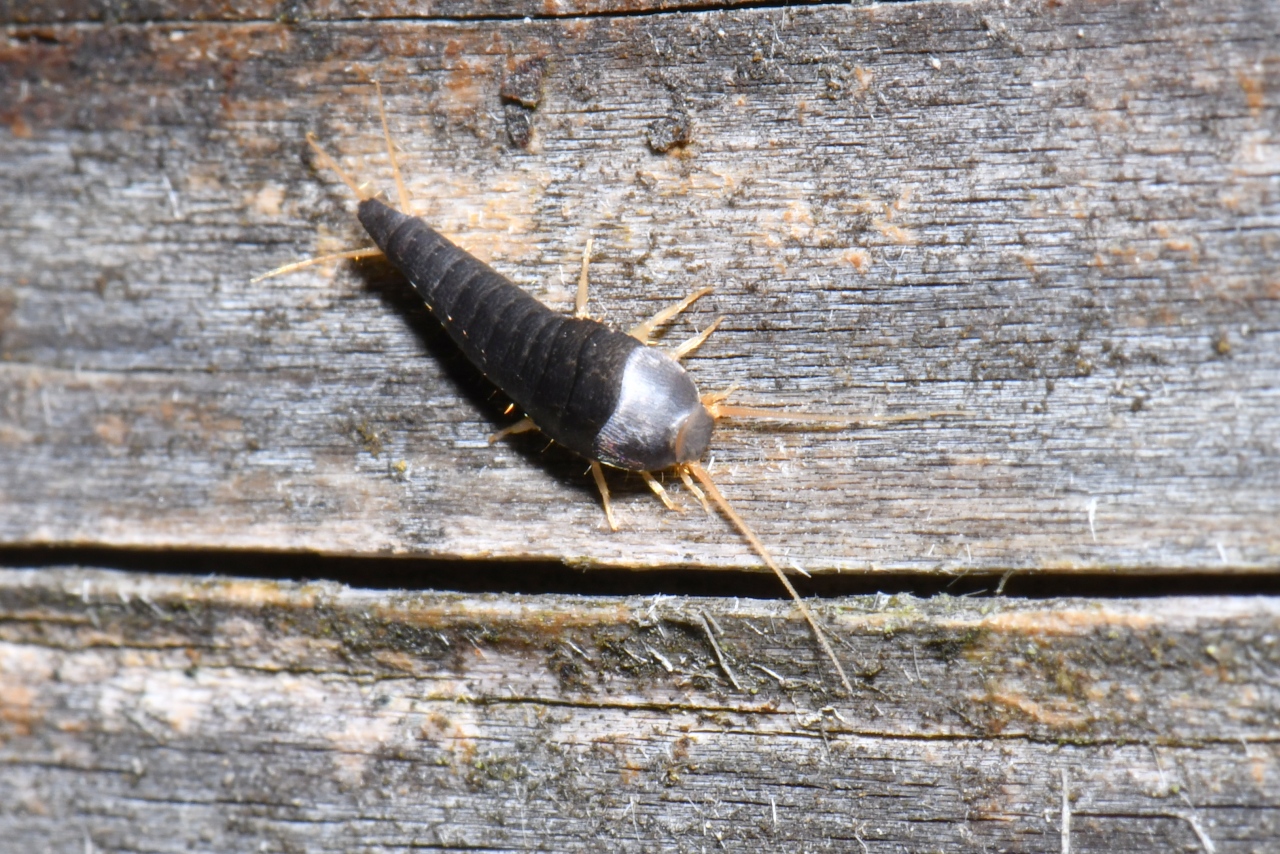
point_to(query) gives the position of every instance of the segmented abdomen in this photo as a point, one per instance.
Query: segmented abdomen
(565, 372)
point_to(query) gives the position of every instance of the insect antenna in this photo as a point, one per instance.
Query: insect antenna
(720, 410)
(743, 528)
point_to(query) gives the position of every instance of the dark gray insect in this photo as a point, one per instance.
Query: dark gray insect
(598, 392)
(603, 394)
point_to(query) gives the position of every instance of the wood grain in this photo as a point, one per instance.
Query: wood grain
(25, 12)
(1061, 218)
(157, 713)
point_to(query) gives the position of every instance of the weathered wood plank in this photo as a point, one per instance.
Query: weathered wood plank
(183, 11)
(1062, 218)
(160, 714)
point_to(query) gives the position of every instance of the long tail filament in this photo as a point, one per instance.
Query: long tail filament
(321, 259)
(402, 193)
(328, 162)
(361, 192)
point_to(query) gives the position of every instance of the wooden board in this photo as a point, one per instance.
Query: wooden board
(203, 11)
(1061, 218)
(160, 714)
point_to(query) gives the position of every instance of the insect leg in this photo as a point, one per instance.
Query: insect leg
(580, 303)
(695, 342)
(693, 487)
(660, 492)
(524, 425)
(642, 331)
(598, 473)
